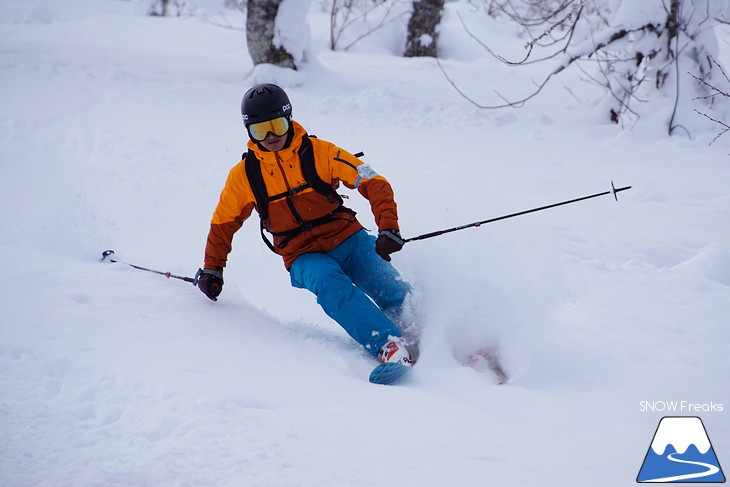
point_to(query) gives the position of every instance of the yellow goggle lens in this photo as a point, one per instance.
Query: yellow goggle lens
(278, 126)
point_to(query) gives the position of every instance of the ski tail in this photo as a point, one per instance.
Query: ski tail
(388, 373)
(488, 362)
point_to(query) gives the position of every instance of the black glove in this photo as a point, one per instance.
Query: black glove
(388, 241)
(210, 282)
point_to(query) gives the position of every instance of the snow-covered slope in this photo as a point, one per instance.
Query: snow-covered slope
(118, 131)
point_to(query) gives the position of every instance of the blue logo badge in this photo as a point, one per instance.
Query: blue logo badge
(681, 452)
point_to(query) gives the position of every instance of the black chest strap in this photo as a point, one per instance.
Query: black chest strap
(312, 180)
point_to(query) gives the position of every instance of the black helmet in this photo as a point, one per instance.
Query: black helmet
(264, 102)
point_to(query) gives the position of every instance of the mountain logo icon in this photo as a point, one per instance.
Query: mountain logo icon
(681, 452)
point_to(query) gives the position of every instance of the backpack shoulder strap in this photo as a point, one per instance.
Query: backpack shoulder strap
(309, 170)
(256, 181)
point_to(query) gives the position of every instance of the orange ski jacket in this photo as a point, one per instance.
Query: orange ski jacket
(282, 173)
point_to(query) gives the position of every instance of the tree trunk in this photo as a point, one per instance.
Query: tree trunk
(260, 24)
(422, 35)
(672, 27)
(159, 8)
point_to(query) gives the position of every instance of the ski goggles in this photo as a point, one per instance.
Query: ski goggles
(278, 126)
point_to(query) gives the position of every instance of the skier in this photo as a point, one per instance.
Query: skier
(289, 178)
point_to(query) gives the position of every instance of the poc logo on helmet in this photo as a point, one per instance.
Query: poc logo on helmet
(286, 107)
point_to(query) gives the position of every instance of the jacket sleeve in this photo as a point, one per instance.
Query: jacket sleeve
(375, 188)
(234, 207)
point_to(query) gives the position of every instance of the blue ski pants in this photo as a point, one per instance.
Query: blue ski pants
(356, 288)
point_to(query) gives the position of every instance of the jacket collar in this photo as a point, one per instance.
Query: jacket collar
(283, 155)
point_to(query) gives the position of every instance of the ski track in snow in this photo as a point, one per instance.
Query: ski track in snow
(711, 470)
(117, 131)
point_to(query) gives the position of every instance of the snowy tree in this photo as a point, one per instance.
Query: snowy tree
(260, 28)
(159, 8)
(423, 28)
(277, 32)
(642, 53)
(164, 8)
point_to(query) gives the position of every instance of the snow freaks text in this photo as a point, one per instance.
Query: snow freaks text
(680, 407)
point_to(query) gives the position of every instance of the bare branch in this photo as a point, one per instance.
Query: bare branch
(496, 56)
(586, 53)
(715, 91)
(512, 104)
(383, 22)
(573, 11)
(723, 132)
(350, 16)
(718, 91)
(630, 61)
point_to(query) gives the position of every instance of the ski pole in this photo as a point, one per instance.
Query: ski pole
(110, 255)
(612, 191)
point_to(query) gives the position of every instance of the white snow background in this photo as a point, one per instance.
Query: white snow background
(117, 131)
